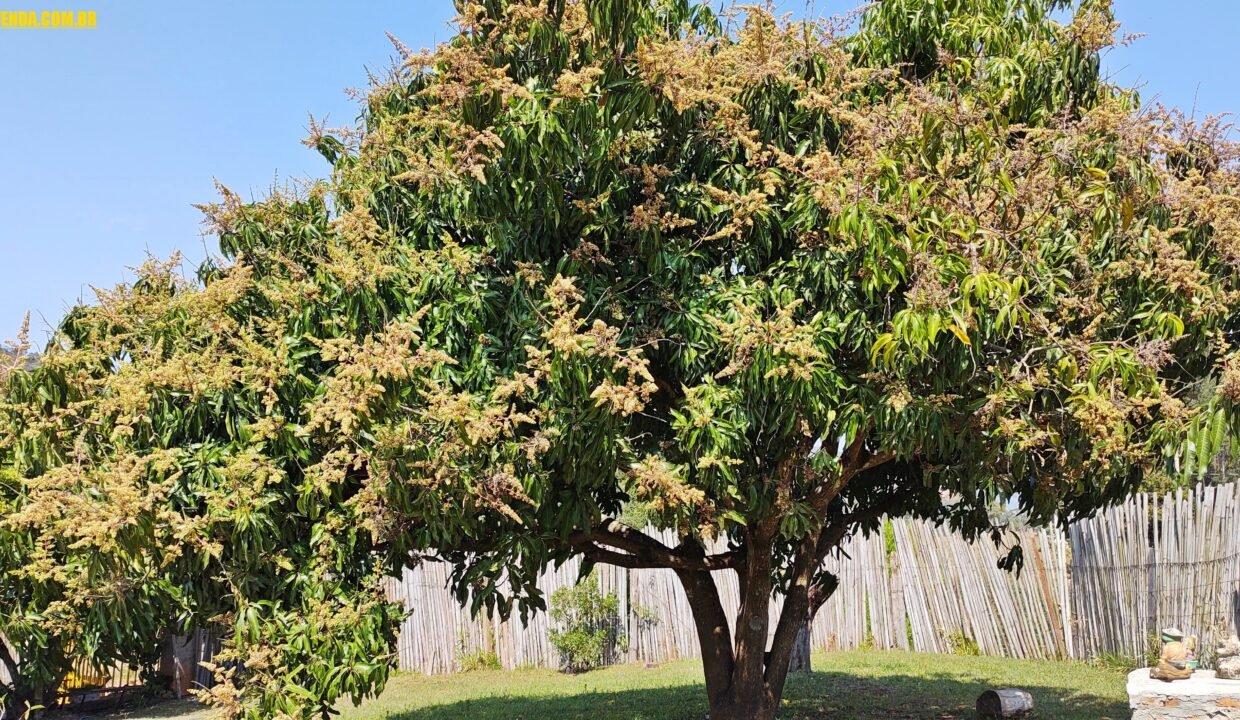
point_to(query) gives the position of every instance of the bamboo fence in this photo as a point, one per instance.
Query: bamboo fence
(1104, 588)
(932, 592)
(1154, 562)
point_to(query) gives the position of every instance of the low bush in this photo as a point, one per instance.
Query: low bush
(587, 628)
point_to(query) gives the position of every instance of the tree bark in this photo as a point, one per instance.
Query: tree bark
(800, 661)
(22, 698)
(13, 702)
(713, 636)
(735, 692)
(744, 709)
(745, 681)
(26, 702)
(754, 615)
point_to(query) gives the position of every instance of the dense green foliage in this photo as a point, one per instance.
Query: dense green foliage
(32, 658)
(773, 280)
(586, 625)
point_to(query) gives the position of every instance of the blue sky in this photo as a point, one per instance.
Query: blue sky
(110, 135)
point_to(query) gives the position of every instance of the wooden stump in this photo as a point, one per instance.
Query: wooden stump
(1005, 703)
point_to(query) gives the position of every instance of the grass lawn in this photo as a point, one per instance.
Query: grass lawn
(843, 686)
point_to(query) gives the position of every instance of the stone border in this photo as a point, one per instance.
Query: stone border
(1201, 696)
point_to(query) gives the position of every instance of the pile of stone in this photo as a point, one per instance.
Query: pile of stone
(1202, 696)
(1227, 666)
(1175, 689)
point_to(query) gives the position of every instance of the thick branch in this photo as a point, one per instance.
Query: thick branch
(830, 537)
(796, 612)
(621, 536)
(854, 462)
(8, 656)
(596, 554)
(875, 460)
(705, 563)
(711, 623)
(643, 551)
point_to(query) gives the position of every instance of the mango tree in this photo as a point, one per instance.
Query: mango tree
(776, 279)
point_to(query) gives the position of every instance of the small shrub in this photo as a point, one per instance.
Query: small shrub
(586, 626)
(471, 660)
(961, 644)
(646, 617)
(479, 660)
(1114, 661)
(1153, 648)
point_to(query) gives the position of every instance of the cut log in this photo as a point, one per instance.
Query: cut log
(1005, 703)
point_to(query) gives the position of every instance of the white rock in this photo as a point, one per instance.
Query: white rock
(1229, 647)
(1201, 696)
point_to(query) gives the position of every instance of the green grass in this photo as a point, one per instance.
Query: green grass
(843, 686)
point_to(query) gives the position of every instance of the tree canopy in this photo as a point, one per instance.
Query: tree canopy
(773, 278)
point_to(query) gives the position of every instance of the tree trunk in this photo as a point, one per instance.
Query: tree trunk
(22, 700)
(9, 709)
(43, 699)
(743, 709)
(17, 701)
(800, 651)
(745, 681)
(714, 638)
(11, 704)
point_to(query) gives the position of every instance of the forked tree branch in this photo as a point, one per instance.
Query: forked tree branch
(854, 461)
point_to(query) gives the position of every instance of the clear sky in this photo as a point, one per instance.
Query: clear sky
(110, 135)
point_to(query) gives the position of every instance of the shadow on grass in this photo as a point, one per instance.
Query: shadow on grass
(134, 708)
(160, 709)
(817, 695)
